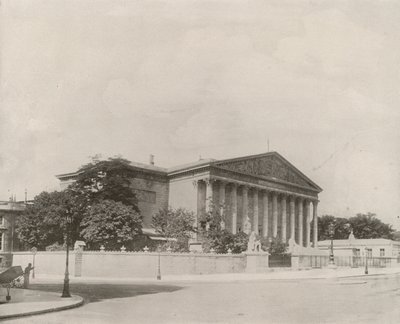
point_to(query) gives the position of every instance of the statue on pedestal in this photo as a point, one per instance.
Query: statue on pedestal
(253, 245)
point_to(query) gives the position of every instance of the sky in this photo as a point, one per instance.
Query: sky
(216, 79)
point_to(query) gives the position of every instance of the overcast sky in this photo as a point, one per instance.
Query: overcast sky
(180, 79)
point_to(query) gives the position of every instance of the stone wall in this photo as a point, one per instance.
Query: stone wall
(48, 263)
(131, 264)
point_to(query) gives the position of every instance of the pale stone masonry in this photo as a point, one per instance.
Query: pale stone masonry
(265, 189)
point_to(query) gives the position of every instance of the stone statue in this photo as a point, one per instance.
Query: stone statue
(253, 245)
(292, 246)
(351, 236)
(222, 224)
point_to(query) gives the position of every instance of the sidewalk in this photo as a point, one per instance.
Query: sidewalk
(26, 302)
(281, 274)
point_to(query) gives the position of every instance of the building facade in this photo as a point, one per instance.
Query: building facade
(9, 211)
(372, 248)
(263, 193)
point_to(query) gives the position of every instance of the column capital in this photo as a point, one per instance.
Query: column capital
(254, 189)
(222, 182)
(209, 181)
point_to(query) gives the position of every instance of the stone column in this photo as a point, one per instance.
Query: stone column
(315, 224)
(292, 218)
(307, 222)
(274, 214)
(283, 217)
(300, 228)
(245, 210)
(209, 195)
(200, 207)
(222, 199)
(255, 210)
(234, 208)
(265, 215)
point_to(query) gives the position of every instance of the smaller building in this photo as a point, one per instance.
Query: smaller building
(374, 248)
(9, 211)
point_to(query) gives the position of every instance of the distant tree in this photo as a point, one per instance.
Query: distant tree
(396, 236)
(105, 180)
(111, 224)
(43, 222)
(366, 226)
(176, 225)
(341, 226)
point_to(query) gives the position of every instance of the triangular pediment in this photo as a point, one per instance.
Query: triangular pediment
(269, 166)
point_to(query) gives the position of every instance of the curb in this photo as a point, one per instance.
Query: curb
(78, 303)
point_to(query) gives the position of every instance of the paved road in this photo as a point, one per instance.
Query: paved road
(350, 300)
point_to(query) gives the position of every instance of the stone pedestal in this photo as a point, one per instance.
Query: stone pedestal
(295, 262)
(256, 262)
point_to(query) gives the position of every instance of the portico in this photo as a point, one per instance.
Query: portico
(272, 212)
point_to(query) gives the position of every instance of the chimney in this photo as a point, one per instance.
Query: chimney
(151, 159)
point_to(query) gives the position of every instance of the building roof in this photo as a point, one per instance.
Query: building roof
(190, 166)
(268, 159)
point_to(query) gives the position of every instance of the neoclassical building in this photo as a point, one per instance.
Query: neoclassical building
(264, 192)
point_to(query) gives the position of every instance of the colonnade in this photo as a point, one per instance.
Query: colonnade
(272, 213)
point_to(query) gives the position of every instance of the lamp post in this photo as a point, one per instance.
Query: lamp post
(68, 219)
(34, 251)
(331, 233)
(366, 261)
(159, 264)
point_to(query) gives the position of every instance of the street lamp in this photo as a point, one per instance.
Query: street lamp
(331, 233)
(159, 263)
(68, 220)
(366, 261)
(34, 251)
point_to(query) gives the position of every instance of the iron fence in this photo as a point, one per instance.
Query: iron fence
(308, 261)
(280, 261)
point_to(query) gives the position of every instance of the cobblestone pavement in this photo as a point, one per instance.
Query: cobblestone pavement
(345, 300)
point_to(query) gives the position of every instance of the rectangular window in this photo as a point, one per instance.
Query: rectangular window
(369, 253)
(357, 252)
(382, 252)
(1, 241)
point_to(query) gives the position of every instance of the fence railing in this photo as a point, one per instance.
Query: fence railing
(280, 261)
(308, 261)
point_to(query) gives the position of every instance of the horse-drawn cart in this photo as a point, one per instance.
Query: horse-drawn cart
(10, 278)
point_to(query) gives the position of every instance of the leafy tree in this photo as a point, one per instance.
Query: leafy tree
(396, 236)
(274, 246)
(341, 227)
(110, 223)
(43, 223)
(222, 241)
(105, 180)
(214, 235)
(176, 225)
(366, 226)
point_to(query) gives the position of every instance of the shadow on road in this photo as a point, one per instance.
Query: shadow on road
(95, 292)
